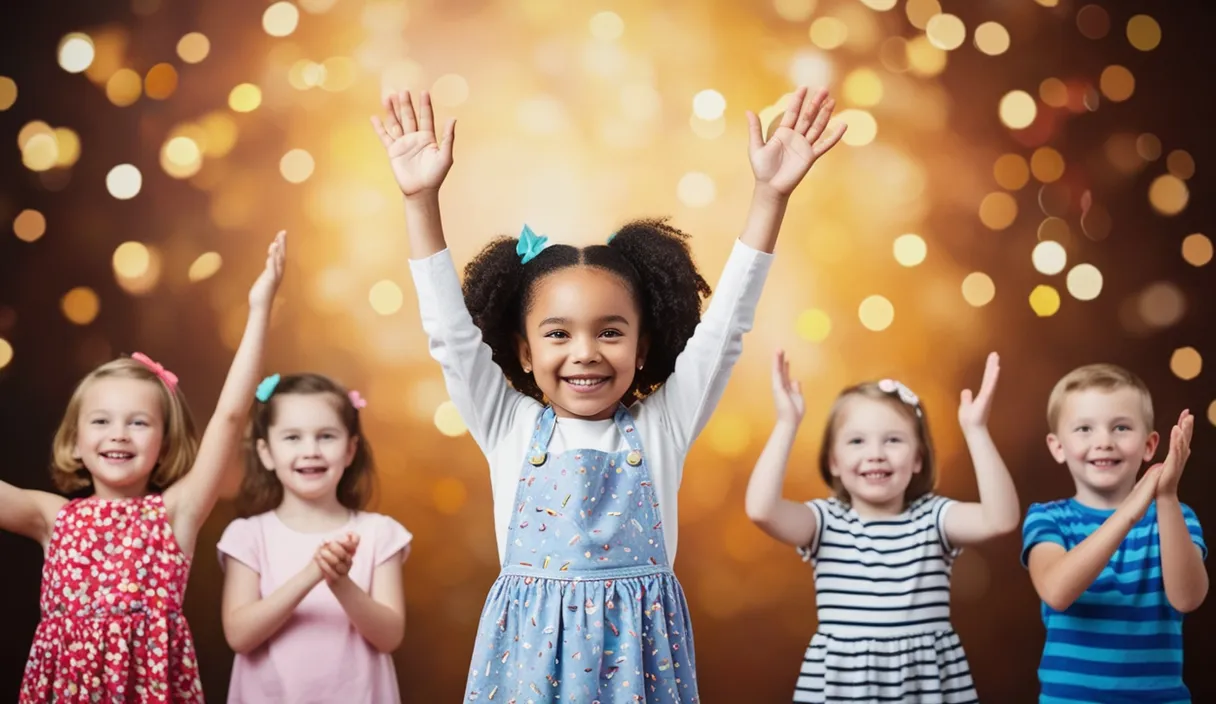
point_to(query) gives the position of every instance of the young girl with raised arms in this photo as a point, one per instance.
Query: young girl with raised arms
(117, 562)
(883, 547)
(584, 375)
(308, 478)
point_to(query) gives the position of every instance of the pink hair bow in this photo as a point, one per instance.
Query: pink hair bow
(357, 401)
(158, 369)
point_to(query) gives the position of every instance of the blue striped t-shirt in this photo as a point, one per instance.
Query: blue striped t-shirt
(1121, 641)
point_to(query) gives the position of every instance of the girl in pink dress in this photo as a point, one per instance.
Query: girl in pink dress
(112, 628)
(308, 478)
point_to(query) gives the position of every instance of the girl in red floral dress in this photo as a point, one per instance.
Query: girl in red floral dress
(112, 628)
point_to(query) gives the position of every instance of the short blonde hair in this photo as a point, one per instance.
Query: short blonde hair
(922, 482)
(1104, 377)
(178, 447)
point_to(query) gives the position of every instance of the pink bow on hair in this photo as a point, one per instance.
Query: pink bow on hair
(357, 401)
(158, 369)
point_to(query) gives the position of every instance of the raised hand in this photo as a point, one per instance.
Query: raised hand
(786, 394)
(419, 161)
(262, 293)
(1175, 459)
(973, 413)
(801, 138)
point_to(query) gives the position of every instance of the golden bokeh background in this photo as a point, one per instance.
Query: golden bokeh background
(1017, 176)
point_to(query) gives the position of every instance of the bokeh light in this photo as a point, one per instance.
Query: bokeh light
(1212, 412)
(863, 128)
(6, 353)
(946, 31)
(1148, 146)
(1047, 165)
(1197, 249)
(708, 104)
(75, 52)
(606, 26)
(1011, 171)
(876, 313)
(124, 181)
(1143, 32)
(1049, 257)
(863, 87)
(1053, 92)
(1161, 304)
(130, 260)
(181, 157)
(161, 82)
(1084, 282)
(280, 19)
(245, 98)
(448, 420)
(386, 297)
(696, 189)
(29, 225)
(998, 210)
(1186, 363)
(204, 267)
(193, 47)
(1093, 21)
(124, 87)
(910, 250)
(978, 289)
(1044, 301)
(919, 12)
(1180, 164)
(991, 38)
(813, 325)
(1017, 109)
(68, 143)
(296, 166)
(1117, 83)
(449, 90)
(1168, 194)
(828, 32)
(795, 10)
(80, 305)
(8, 93)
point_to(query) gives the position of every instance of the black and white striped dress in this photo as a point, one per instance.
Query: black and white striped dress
(883, 592)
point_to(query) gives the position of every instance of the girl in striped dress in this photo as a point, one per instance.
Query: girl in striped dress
(883, 546)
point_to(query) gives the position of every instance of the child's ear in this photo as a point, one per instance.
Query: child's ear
(351, 448)
(643, 349)
(1056, 447)
(264, 455)
(524, 352)
(1150, 447)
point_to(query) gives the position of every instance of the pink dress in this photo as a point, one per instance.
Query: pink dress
(317, 657)
(112, 628)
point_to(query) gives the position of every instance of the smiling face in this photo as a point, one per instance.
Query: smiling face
(1103, 438)
(307, 446)
(582, 342)
(874, 454)
(119, 434)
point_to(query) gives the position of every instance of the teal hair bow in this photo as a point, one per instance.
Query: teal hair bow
(530, 245)
(266, 388)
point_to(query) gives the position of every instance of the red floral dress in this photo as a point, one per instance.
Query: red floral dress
(112, 628)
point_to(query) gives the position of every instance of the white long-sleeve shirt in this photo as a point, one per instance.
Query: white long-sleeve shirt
(502, 420)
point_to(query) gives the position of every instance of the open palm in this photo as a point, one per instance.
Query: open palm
(799, 140)
(787, 394)
(418, 160)
(1179, 453)
(262, 293)
(973, 412)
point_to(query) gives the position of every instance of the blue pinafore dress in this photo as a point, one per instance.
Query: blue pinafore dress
(587, 608)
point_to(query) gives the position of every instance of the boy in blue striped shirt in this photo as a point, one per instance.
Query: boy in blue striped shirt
(1118, 564)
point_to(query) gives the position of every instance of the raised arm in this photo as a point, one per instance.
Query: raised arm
(420, 164)
(997, 512)
(1061, 576)
(1182, 571)
(791, 522)
(249, 619)
(28, 512)
(190, 501)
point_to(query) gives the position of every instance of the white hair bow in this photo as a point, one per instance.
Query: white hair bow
(891, 386)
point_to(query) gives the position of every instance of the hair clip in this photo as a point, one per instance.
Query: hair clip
(168, 377)
(356, 400)
(266, 388)
(530, 245)
(891, 386)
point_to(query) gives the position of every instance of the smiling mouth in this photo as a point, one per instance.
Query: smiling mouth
(115, 456)
(877, 475)
(1106, 463)
(311, 471)
(584, 384)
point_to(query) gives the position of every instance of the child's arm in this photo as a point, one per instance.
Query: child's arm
(28, 512)
(790, 522)
(190, 500)
(420, 164)
(997, 512)
(1182, 571)
(379, 616)
(475, 382)
(690, 395)
(1061, 576)
(781, 163)
(249, 619)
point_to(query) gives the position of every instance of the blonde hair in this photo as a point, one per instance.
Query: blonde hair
(1104, 377)
(922, 482)
(178, 447)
